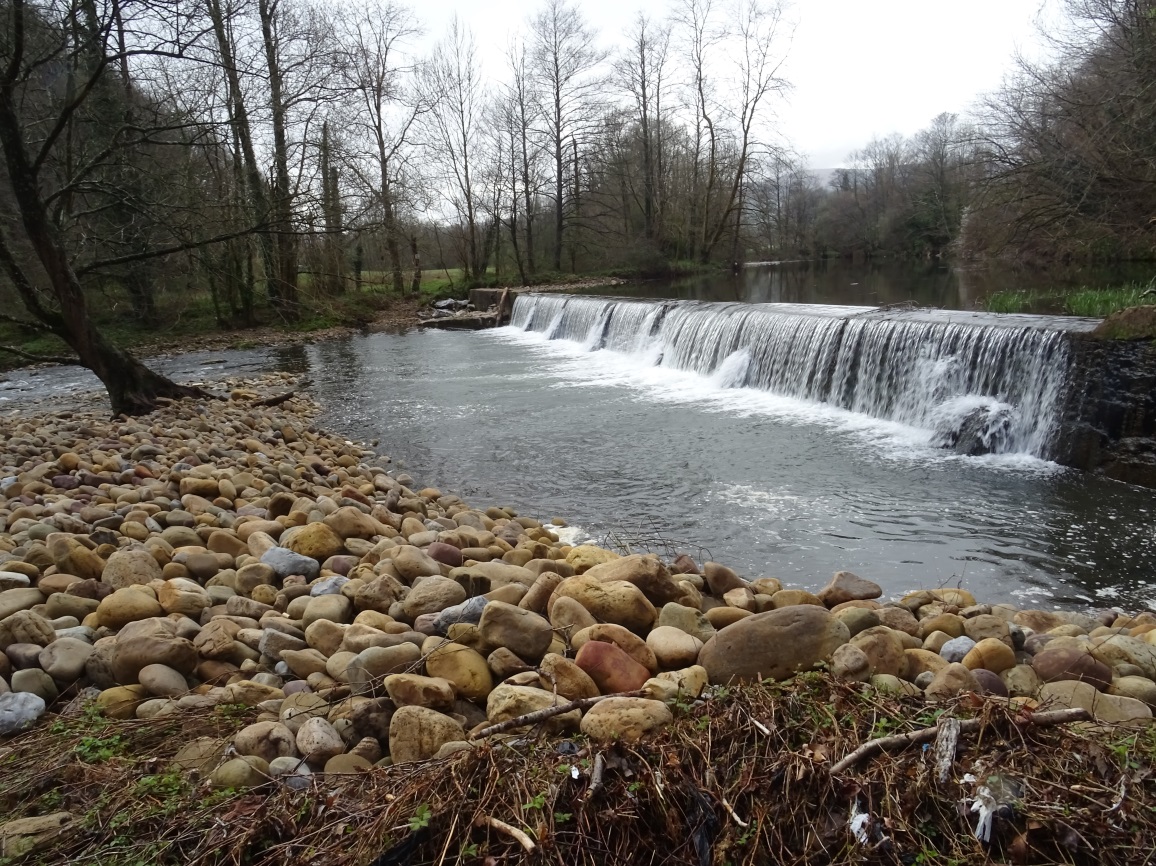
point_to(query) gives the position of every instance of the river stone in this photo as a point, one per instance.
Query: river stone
(72, 557)
(36, 681)
(331, 608)
(183, 596)
(240, 774)
(1140, 688)
(523, 632)
(624, 639)
(984, 626)
(468, 611)
(673, 648)
(266, 740)
(990, 654)
(583, 557)
(465, 668)
(412, 690)
(13, 600)
(645, 571)
(162, 681)
(446, 554)
(121, 702)
(378, 594)
(314, 540)
(1104, 707)
(127, 605)
(412, 562)
(416, 733)
(286, 562)
(856, 619)
(883, 649)
(956, 649)
(556, 672)
(1055, 663)
(613, 601)
(200, 755)
(687, 619)
(990, 683)
(18, 710)
(611, 669)
(130, 568)
(849, 662)
(151, 641)
(1120, 649)
(431, 595)
(318, 741)
(375, 662)
(949, 682)
(625, 719)
(568, 616)
(65, 658)
(351, 522)
(24, 626)
(507, 702)
(721, 579)
(848, 586)
(774, 645)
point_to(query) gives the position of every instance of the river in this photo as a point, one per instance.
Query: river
(649, 457)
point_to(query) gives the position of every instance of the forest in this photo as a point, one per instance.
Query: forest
(263, 154)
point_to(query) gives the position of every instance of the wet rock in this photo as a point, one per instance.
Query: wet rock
(847, 586)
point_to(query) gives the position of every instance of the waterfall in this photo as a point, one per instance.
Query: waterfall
(977, 383)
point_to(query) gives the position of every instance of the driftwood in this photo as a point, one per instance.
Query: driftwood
(899, 741)
(945, 744)
(548, 713)
(596, 777)
(277, 399)
(502, 827)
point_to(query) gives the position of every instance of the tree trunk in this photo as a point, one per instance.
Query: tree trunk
(132, 387)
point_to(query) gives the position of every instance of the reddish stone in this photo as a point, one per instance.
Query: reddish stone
(610, 667)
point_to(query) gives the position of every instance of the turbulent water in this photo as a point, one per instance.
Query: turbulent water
(696, 456)
(930, 373)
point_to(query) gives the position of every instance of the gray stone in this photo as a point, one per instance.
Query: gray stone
(285, 562)
(957, 648)
(18, 710)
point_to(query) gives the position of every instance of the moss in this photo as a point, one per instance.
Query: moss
(1133, 323)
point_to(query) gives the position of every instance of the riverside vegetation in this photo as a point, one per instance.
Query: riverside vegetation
(230, 636)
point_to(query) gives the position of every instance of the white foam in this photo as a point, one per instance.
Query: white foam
(576, 366)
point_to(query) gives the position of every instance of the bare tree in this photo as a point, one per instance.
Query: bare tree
(565, 62)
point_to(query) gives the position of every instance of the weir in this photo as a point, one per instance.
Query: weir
(976, 382)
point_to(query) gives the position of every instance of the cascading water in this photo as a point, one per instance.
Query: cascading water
(992, 385)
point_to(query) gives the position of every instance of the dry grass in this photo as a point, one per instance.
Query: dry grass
(740, 778)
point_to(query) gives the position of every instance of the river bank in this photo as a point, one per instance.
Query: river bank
(220, 595)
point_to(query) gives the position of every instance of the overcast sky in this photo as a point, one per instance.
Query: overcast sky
(859, 68)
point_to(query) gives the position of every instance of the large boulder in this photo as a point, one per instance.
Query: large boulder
(773, 645)
(645, 571)
(847, 586)
(610, 601)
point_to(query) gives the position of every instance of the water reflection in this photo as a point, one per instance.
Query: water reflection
(929, 284)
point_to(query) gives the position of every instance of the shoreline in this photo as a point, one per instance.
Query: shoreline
(230, 554)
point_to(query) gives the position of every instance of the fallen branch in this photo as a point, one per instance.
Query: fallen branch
(548, 713)
(276, 400)
(898, 741)
(945, 744)
(502, 827)
(596, 777)
(39, 359)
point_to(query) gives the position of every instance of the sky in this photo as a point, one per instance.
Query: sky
(858, 68)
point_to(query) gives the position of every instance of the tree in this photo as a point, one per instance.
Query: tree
(565, 62)
(52, 70)
(384, 110)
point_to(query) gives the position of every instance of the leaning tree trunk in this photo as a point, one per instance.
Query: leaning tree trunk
(132, 387)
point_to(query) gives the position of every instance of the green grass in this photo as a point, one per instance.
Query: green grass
(1084, 301)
